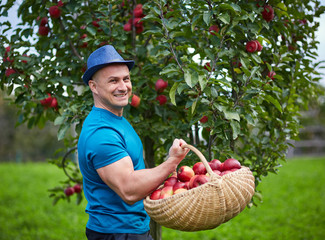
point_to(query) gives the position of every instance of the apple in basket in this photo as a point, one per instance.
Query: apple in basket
(166, 192)
(179, 185)
(230, 164)
(199, 168)
(180, 190)
(185, 173)
(215, 164)
(170, 181)
(198, 180)
(155, 195)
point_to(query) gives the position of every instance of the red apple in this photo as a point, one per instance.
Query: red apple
(251, 46)
(9, 71)
(170, 181)
(214, 29)
(271, 74)
(180, 190)
(43, 30)
(54, 103)
(135, 101)
(204, 119)
(231, 163)
(138, 12)
(166, 192)
(95, 23)
(83, 36)
(55, 11)
(60, 3)
(139, 29)
(198, 180)
(199, 168)
(162, 99)
(259, 46)
(215, 164)
(179, 185)
(161, 85)
(69, 191)
(77, 188)
(44, 21)
(155, 195)
(217, 172)
(268, 13)
(225, 172)
(127, 27)
(185, 173)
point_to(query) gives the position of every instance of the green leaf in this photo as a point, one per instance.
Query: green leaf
(59, 120)
(194, 106)
(282, 6)
(62, 131)
(203, 82)
(235, 129)
(92, 30)
(191, 78)
(275, 102)
(229, 114)
(206, 17)
(225, 18)
(172, 93)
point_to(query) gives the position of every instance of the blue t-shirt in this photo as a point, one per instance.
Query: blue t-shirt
(106, 138)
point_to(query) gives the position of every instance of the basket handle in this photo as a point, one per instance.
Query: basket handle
(201, 156)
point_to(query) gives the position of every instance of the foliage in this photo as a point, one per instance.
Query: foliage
(251, 113)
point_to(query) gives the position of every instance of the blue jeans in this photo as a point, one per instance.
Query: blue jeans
(93, 235)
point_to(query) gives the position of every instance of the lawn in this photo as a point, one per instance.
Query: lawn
(293, 207)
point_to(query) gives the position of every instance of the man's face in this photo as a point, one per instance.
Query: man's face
(112, 88)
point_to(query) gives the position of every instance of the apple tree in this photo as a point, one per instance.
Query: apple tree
(233, 75)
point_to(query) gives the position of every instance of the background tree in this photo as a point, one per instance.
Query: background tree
(238, 72)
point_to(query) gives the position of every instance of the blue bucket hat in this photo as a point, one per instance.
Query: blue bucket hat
(102, 57)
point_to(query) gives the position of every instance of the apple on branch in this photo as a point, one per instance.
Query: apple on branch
(135, 101)
(161, 85)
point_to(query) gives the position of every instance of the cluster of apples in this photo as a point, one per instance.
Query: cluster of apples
(187, 177)
(49, 102)
(71, 190)
(160, 86)
(55, 12)
(136, 21)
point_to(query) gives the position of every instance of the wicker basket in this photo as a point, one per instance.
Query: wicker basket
(207, 206)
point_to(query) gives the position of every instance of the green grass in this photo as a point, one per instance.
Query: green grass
(293, 207)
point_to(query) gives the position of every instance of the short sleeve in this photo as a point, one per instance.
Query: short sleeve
(105, 147)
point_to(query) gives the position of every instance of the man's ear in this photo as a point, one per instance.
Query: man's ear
(93, 86)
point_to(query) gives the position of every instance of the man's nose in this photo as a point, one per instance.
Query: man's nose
(122, 86)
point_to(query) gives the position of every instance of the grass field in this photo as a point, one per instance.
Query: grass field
(293, 207)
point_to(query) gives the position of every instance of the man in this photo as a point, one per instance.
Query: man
(110, 153)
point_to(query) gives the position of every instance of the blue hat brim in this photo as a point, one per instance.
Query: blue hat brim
(91, 71)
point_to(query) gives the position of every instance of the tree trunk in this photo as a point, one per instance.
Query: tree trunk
(149, 159)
